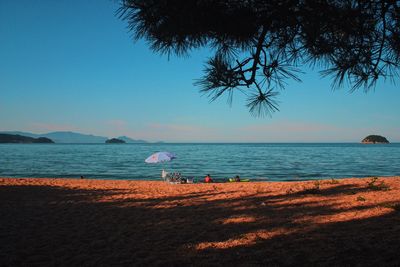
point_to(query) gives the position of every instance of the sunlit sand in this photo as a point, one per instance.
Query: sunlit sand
(110, 222)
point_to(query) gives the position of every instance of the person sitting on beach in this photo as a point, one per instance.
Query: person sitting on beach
(208, 179)
(237, 178)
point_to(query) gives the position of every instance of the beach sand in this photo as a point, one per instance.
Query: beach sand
(68, 222)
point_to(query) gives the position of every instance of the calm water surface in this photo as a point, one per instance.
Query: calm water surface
(260, 161)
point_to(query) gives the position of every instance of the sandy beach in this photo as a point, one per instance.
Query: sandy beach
(72, 222)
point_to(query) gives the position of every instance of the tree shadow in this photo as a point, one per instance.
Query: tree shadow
(50, 225)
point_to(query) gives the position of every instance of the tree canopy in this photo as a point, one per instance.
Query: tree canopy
(258, 45)
(375, 139)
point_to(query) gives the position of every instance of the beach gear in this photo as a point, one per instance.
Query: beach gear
(160, 157)
(176, 178)
(233, 180)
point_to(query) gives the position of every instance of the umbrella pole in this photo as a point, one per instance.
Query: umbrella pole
(164, 172)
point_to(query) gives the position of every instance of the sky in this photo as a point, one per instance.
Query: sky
(73, 66)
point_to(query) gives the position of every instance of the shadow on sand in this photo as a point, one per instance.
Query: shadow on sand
(49, 225)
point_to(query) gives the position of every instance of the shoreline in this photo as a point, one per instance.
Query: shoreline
(200, 180)
(85, 222)
(160, 183)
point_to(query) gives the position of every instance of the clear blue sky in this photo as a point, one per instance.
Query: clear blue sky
(72, 65)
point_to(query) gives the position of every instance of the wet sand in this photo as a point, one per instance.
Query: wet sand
(67, 222)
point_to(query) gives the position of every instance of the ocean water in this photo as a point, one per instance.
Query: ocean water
(275, 161)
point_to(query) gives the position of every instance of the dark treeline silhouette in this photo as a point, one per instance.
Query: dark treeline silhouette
(259, 44)
(16, 138)
(375, 139)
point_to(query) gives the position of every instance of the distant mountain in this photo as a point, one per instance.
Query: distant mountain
(64, 137)
(20, 139)
(71, 137)
(22, 133)
(130, 140)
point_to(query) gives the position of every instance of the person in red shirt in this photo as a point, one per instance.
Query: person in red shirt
(208, 179)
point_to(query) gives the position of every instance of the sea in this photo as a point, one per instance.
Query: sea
(265, 162)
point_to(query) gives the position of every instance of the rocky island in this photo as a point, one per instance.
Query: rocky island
(375, 139)
(115, 141)
(20, 139)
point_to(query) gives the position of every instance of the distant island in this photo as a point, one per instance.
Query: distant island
(67, 137)
(375, 139)
(20, 139)
(115, 141)
(130, 140)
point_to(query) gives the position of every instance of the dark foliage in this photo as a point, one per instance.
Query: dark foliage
(115, 141)
(16, 138)
(375, 139)
(259, 44)
(373, 185)
(43, 140)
